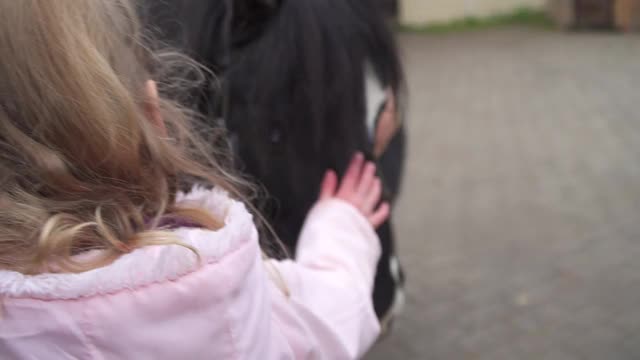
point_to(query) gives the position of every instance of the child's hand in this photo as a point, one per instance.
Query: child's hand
(360, 187)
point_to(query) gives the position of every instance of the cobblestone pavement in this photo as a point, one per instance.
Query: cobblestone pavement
(519, 220)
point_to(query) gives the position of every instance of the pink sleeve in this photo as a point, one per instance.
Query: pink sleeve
(331, 281)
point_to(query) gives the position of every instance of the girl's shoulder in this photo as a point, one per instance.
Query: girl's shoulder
(153, 264)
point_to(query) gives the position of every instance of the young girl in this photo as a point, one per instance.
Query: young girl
(103, 257)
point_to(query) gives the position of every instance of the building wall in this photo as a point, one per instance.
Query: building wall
(420, 12)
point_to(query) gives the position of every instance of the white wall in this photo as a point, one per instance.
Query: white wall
(420, 12)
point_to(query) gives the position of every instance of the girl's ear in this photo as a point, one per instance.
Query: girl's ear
(152, 107)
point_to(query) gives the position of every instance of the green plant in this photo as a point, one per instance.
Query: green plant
(520, 16)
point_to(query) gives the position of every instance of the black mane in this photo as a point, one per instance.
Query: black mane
(296, 95)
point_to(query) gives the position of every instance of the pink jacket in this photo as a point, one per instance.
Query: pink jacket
(160, 303)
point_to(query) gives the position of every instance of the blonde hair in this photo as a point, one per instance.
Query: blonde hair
(81, 165)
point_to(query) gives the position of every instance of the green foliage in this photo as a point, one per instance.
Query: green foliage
(520, 16)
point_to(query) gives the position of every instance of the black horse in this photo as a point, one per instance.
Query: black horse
(300, 85)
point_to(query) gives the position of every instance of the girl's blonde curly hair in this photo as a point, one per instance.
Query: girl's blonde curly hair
(81, 165)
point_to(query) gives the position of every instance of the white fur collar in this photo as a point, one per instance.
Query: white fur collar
(147, 265)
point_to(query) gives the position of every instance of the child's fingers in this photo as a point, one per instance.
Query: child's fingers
(366, 180)
(352, 175)
(328, 186)
(373, 196)
(380, 215)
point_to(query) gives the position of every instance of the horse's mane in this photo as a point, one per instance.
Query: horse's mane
(296, 94)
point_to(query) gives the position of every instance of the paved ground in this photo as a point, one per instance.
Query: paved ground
(520, 217)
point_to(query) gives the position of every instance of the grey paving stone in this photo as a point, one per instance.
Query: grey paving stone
(519, 224)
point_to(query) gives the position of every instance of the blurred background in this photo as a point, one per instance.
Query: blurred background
(519, 219)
